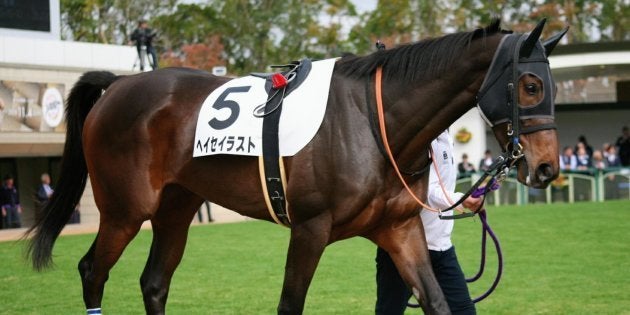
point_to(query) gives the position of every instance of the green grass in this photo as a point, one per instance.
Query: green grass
(559, 259)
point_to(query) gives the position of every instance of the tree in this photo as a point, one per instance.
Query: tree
(81, 20)
(203, 56)
(391, 22)
(330, 39)
(107, 21)
(187, 24)
(248, 35)
(613, 20)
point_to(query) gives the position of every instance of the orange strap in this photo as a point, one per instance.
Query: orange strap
(381, 122)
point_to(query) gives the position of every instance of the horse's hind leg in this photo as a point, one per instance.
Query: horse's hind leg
(407, 249)
(111, 240)
(170, 230)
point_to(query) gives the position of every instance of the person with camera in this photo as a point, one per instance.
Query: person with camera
(143, 36)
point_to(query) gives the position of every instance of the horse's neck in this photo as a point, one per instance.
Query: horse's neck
(425, 110)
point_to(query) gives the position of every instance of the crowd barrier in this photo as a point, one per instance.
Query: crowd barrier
(571, 186)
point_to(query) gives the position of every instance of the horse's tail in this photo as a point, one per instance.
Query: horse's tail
(58, 210)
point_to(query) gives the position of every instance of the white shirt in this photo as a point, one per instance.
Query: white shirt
(437, 231)
(565, 161)
(48, 190)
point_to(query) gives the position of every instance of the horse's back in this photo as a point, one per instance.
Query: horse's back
(136, 102)
(150, 91)
(140, 132)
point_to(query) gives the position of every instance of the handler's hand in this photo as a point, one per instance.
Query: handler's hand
(472, 203)
(4, 212)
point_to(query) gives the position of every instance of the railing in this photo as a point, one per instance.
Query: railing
(591, 185)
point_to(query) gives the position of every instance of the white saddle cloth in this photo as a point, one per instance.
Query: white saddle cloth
(226, 124)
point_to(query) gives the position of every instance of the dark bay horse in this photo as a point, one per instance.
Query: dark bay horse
(135, 141)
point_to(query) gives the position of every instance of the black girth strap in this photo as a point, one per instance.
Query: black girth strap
(271, 163)
(272, 168)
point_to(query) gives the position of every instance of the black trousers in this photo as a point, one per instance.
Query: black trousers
(392, 293)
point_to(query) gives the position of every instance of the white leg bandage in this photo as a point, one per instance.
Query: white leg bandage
(94, 311)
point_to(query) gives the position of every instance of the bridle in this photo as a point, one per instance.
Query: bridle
(513, 51)
(516, 54)
(519, 54)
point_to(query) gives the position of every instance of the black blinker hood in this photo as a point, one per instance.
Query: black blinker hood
(498, 95)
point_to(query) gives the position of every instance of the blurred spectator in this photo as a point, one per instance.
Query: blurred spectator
(582, 143)
(465, 168)
(206, 203)
(486, 161)
(10, 203)
(583, 160)
(568, 161)
(598, 161)
(612, 159)
(44, 191)
(623, 144)
(605, 149)
(578, 146)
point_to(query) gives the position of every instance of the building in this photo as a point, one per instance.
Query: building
(593, 99)
(37, 70)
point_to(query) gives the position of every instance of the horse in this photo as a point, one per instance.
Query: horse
(134, 136)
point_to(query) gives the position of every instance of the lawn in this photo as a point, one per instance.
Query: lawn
(559, 259)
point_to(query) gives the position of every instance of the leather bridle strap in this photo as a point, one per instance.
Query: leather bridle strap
(381, 122)
(535, 128)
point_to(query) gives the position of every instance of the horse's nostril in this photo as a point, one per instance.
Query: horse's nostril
(544, 172)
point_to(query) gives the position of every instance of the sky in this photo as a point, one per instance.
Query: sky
(364, 5)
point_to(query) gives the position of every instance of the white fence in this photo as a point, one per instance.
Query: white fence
(592, 185)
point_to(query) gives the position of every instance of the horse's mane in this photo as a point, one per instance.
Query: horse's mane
(410, 62)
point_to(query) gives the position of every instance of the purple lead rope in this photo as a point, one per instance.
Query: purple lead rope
(492, 185)
(486, 230)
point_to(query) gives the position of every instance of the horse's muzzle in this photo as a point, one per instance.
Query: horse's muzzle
(545, 174)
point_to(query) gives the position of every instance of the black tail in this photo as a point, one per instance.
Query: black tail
(73, 178)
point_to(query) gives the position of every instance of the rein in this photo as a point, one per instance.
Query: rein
(521, 54)
(381, 122)
(497, 172)
(499, 168)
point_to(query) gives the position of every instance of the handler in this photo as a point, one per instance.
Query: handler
(392, 292)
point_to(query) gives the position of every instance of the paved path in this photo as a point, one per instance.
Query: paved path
(219, 214)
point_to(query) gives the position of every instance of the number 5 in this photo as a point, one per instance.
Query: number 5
(231, 105)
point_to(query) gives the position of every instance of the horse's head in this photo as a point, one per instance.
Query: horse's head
(517, 101)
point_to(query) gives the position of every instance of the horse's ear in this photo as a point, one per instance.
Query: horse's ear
(532, 39)
(552, 41)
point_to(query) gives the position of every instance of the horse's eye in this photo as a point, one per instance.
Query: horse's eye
(531, 89)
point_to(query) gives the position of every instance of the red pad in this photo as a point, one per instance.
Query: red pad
(278, 81)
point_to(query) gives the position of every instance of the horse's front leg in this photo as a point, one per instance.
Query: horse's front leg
(308, 240)
(406, 245)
